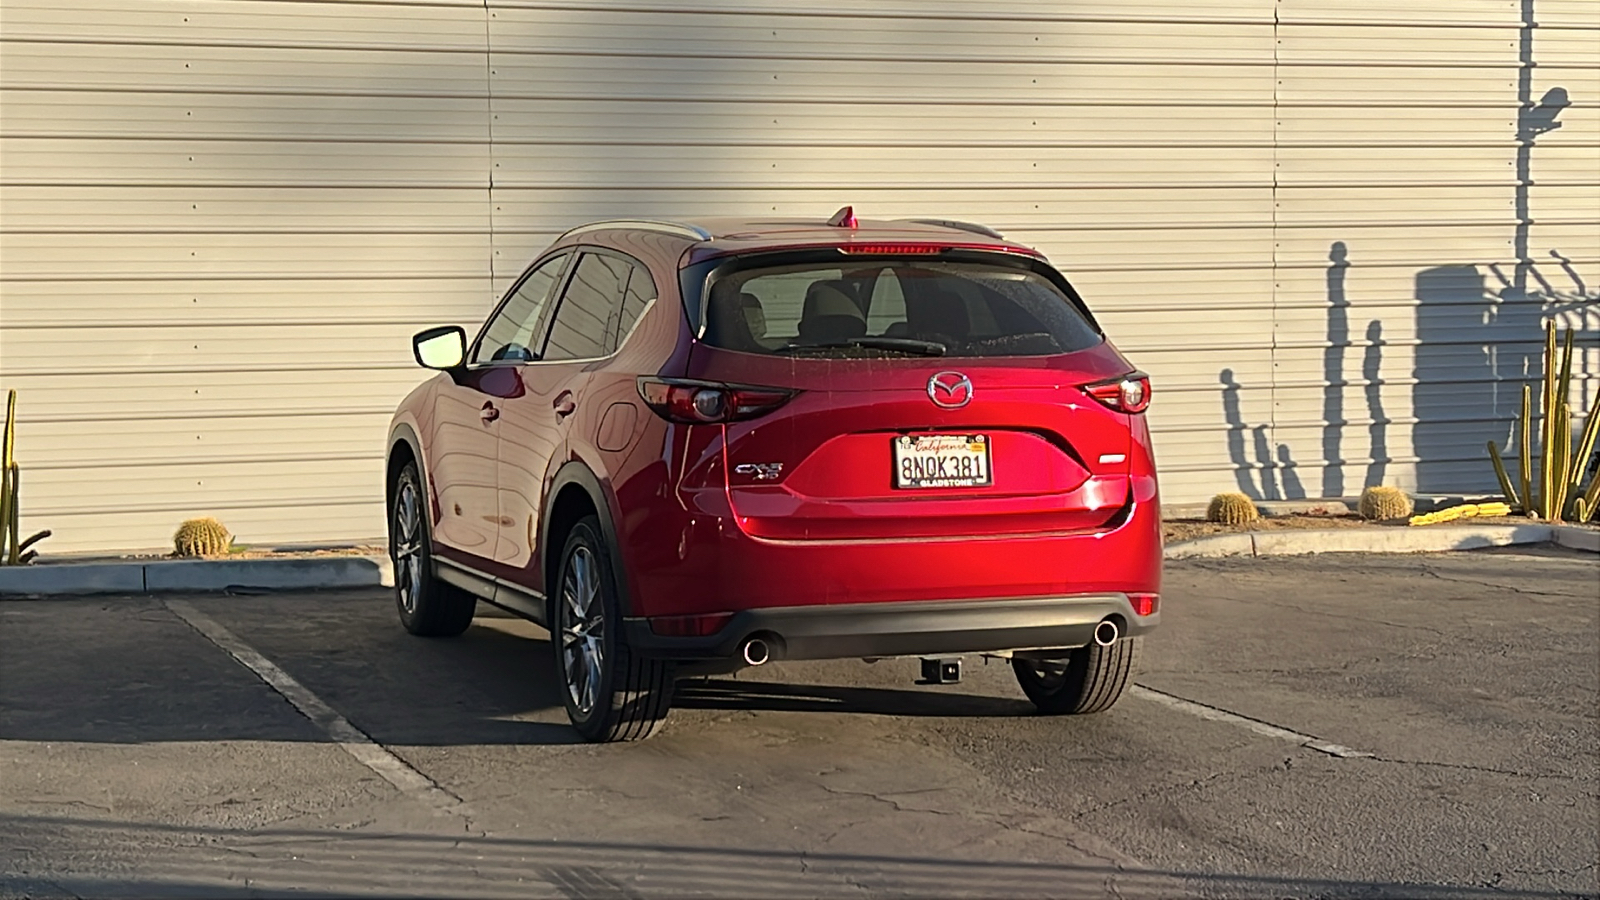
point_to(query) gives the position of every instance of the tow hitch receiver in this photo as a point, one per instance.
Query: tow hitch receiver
(941, 670)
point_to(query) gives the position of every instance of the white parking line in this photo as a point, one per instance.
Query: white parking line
(350, 738)
(1259, 727)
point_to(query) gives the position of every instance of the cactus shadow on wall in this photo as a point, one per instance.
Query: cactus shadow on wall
(1244, 468)
(1263, 475)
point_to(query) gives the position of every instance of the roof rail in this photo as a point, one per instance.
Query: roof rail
(677, 228)
(960, 226)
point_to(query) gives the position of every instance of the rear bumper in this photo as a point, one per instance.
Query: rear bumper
(925, 628)
(703, 563)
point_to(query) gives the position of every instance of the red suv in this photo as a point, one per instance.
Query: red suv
(693, 447)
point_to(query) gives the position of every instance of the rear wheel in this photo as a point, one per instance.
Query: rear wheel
(611, 693)
(427, 606)
(1090, 680)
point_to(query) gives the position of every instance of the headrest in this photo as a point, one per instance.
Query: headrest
(830, 313)
(831, 298)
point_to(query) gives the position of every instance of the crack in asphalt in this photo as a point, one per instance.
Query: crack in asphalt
(892, 803)
(1478, 582)
(1469, 768)
(1558, 871)
(995, 819)
(1192, 784)
(1368, 620)
(1120, 864)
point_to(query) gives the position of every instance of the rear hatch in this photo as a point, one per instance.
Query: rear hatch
(923, 406)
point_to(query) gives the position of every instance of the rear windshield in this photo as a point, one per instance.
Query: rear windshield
(894, 308)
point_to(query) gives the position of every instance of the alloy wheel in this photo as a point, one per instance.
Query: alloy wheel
(407, 544)
(582, 629)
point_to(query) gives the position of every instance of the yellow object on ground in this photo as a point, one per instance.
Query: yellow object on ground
(1464, 511)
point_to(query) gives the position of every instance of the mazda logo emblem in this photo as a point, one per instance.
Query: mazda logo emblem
(950, 390)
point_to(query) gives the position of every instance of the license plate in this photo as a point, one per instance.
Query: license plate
(942, 460)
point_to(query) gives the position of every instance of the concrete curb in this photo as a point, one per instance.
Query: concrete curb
(325, 572)
(166, 576)
(1428, 539)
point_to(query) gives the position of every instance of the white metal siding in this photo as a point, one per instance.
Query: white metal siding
(220, 220)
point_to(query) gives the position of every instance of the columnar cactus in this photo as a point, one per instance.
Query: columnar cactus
(1550, 485)
(1232, 509)
(13, 549)
(1381, 502)
(201, 537)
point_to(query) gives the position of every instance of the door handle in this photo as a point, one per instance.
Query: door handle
(564, 405)
(488, 413)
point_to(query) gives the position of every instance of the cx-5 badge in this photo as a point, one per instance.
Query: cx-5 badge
(760, 471)
(950, 390)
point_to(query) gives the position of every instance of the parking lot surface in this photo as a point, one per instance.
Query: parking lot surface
(1336, 726)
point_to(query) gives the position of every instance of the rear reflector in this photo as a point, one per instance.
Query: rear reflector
(689, 626)
(1145, 604)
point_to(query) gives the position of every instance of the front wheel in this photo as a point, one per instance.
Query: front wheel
(611, 694)
(1089, 680)
(428, 607)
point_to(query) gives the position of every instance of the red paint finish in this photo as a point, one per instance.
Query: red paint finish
(796, 506)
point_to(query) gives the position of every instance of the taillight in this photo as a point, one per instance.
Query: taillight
(1128, 394)
(1145, 604)
(708, 403)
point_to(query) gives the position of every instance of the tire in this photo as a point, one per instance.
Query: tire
(1090, 680)
(610, 693)
(428, 607)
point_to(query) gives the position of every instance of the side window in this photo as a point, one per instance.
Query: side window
(640, 291)
(587, 315)
(510, 333)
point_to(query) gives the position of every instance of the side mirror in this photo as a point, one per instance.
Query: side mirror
(444, 347)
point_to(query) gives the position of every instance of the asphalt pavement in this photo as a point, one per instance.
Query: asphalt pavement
(1334, 726)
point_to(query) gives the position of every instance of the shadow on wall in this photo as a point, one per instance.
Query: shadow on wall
(1477, 345)
(1264, 475)
(1475, 349)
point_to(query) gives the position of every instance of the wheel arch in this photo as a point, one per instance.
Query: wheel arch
(575, 492)
(404, 447)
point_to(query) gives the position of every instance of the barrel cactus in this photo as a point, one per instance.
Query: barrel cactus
(1382, 502)
(1232, 509)
(202, 537)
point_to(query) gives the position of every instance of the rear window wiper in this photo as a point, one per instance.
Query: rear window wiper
(904, 345)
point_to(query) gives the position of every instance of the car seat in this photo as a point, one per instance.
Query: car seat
(831, 313)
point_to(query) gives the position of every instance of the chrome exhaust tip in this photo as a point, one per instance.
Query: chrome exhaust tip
(1106, 633)
(756, 652)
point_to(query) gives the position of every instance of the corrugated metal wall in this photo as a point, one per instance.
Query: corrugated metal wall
(222, 219)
